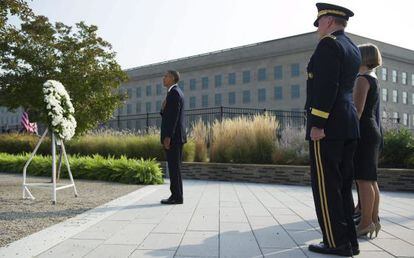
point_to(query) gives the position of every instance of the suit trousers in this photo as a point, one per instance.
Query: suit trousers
(332, 178)
(174, 159)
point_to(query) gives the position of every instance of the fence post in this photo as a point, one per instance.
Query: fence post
(147, 123)
(304, 119)
(118, 122)
(221, 113)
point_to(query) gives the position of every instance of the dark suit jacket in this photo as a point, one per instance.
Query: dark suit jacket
(332, 71)
(172, 114)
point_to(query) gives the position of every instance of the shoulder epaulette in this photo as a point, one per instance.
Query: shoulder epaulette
(329, 36)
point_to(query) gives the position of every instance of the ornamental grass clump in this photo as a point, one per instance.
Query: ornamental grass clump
(244, 139)
(199, 134)
(293, 149)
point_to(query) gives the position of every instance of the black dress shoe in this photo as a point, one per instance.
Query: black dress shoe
(355, 250)
(171, 201)
(343, 250)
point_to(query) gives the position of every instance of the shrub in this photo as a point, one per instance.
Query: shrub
(398, 148)
(410, 161)
(106, 144)
(95, 167)
(244, 140)
(189, 151)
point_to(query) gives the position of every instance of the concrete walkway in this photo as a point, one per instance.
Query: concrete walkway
(217, 219)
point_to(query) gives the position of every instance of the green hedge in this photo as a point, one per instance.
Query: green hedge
(94, 167)
(131, 146)
(398, 151)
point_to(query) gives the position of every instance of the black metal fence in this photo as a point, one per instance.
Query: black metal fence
(144, 122)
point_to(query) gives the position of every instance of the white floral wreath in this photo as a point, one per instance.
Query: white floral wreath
(59, 110)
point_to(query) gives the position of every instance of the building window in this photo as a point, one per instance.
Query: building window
(246, 96)
(159, 89)
(412, 98)
(404, 78)
(158, 105)
(148, 107)
(129, 124)
(278, 93)
(405, 119)
(204, 83)
(395, 117)
(394, 96)
(384, 74)
(192, 84)
(217, 81)
(120, 113)
(384, 94)
(261, 74)
(181, 85)
(139, 92)
(246, 76)
(261, 94)
(192, 102)
(232, 78)
(148, 90)
(294, 70)
(217, 99)
(412, 120)
(129, 93)
(412, 79)
(204, 101)
(129, 109)
(278, 72)
(295, 91)
(138, 108)
(232, 98)
(404, 97)
(394, 76)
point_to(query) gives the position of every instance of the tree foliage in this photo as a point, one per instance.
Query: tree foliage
(36, 50)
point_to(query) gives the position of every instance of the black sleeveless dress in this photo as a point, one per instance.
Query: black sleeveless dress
(366, 155)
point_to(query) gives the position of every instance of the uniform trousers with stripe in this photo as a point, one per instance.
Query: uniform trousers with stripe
(332, 177)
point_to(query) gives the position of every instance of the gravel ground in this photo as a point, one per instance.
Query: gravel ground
(20, 218)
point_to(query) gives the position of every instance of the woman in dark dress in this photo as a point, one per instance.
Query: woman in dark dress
(366, 98)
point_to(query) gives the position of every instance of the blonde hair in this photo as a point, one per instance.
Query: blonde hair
(371, 56)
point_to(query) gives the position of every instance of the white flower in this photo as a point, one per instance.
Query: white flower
(56, 98)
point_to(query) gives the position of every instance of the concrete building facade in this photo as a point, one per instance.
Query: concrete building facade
(265, 75)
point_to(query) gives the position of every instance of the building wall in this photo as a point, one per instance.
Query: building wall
(9, 120)
(146, 92)
(268, 55)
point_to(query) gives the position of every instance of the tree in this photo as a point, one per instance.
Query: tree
(37, 50)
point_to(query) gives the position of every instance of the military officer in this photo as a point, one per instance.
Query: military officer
(332, 129)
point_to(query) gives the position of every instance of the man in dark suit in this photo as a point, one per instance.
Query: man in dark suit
(173, 135)
(332, 130)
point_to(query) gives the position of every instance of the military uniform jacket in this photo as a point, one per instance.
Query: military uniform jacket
(332, 71)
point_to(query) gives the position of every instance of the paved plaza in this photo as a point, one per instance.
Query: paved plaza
(217, 219)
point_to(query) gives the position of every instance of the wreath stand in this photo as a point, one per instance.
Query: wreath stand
(53, 184)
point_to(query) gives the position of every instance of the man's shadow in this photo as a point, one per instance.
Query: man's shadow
(269, 241)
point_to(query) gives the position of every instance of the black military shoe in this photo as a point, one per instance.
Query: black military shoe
(171, 201)
(343, 250)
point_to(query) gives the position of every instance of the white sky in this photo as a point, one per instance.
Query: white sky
(149, 31)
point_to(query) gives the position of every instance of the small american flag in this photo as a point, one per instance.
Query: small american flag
(27, 126)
